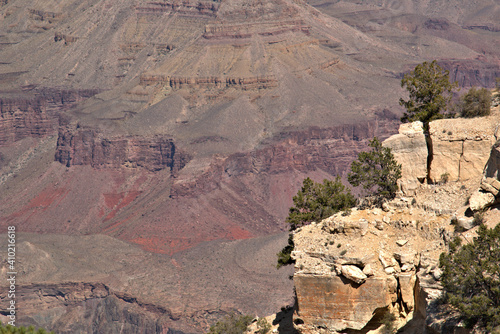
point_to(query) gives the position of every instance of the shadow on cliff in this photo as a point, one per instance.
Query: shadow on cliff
(284, 319)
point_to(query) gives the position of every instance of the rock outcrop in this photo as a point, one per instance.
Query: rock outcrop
(37, 114)
(351, 269)
(461, 147)
(410, 150)
(459, 150)
(89, 307)
(84, 146)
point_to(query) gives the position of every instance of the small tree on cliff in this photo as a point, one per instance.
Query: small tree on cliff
(377, 171)
(314, 202)
(471, 278)
(429, 91)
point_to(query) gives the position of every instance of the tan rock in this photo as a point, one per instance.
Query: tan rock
(407, 286)
(410, 150)
(354, 274)
(480, 200)
(387, 260)
(489, 188)
(392, 284)
(337, 303)
(401, 242)
(493, 182)
(461, 147)
(368, 270)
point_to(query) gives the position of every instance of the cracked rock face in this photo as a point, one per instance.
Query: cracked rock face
(461, 147)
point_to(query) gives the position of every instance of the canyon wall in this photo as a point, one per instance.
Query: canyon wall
(85, 146)
(37, 114)
(87, 307)
(330, 150)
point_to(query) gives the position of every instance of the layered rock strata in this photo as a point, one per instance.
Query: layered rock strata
(330, 150)
(37, 114)
(83, 146)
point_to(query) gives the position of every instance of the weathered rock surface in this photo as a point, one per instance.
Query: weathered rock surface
(35, 112)
(410, 150)
(329, 295)
(461, 147)
(481, 200)
(337, 303)
(88, 147)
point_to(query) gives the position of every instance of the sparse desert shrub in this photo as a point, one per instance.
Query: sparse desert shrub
(471, 278)
(479, 218)
(445, 177)
(476, 103)
(232, 324)
(389, 322)
(263, 327)
(8, 329)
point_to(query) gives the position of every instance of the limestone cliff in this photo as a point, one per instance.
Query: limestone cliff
(458, 150)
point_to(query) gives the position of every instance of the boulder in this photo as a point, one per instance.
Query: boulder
(480, 200)
(387, 260)
(354, 274)
(465, 223)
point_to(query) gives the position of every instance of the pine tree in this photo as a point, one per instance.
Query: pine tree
(377, 171)
(471, 278)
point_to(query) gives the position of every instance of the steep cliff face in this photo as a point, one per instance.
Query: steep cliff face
(38, 115)
(22, 118)
(473, 72)
(88, 307)
(460, 149)
(84, 146)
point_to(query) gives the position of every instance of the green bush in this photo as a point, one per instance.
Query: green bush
(316, 201)
(376, 171)
(8, 329)
(471, 278)
(313, 203)
(476, 103)
(232, 324)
